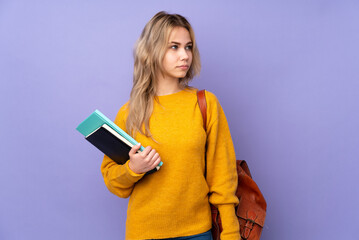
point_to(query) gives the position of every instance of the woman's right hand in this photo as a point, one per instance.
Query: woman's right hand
(141, 162)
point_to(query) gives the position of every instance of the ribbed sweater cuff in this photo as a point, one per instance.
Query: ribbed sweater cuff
(230, 222)
(131, 175)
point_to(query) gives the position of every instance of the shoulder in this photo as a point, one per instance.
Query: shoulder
(122, 113)
(212, 100)
(124, 108)
(211, 97)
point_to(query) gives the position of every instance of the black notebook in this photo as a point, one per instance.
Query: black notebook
(112, 144)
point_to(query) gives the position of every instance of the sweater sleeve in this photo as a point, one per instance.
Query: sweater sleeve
(221, 168)
(119, 179)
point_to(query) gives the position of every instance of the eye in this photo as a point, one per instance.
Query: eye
(174, 47)
(189, 47)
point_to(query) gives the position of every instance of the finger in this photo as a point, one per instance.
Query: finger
(155, 163)
(146, 151)
(150, 155)
(155, 157)
(134, 149)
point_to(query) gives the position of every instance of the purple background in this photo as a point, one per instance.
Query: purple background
(285, 72)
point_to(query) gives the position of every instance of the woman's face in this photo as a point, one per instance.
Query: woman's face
(178, 57)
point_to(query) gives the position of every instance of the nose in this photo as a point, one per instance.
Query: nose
(183, 54)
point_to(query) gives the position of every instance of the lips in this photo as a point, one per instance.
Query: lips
(183, 67)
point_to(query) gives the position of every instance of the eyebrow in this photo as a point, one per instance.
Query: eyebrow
(180, 43)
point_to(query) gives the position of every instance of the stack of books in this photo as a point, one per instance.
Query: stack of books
(109, 138)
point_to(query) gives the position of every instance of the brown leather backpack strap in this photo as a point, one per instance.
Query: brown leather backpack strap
(202, 103)
(201, 99)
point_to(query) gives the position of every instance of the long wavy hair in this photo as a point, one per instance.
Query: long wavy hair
(149, 52)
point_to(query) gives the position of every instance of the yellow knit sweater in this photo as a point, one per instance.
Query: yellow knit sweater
(174, 201)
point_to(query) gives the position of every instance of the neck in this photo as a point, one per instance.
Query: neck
(167, 86)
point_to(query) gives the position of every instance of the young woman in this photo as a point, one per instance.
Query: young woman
(162, 114)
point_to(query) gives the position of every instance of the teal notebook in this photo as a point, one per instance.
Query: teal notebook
(96, 120)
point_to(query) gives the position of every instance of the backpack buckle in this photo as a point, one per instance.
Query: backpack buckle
(248, 226)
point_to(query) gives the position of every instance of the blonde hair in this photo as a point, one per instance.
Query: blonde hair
(149, 51)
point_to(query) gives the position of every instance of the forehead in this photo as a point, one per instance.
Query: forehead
(179, 34)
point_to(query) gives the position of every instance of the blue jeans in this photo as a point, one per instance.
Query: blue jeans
(202, 236)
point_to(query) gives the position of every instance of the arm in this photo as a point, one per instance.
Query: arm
(221, 168)
(119, 179)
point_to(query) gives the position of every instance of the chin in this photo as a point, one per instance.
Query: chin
(182, 75)
(179, 75)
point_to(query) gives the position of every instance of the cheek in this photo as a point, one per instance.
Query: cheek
(165, 62)
(169, 60)
(190, 57)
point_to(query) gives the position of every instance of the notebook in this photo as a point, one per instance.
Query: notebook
(109, 138)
